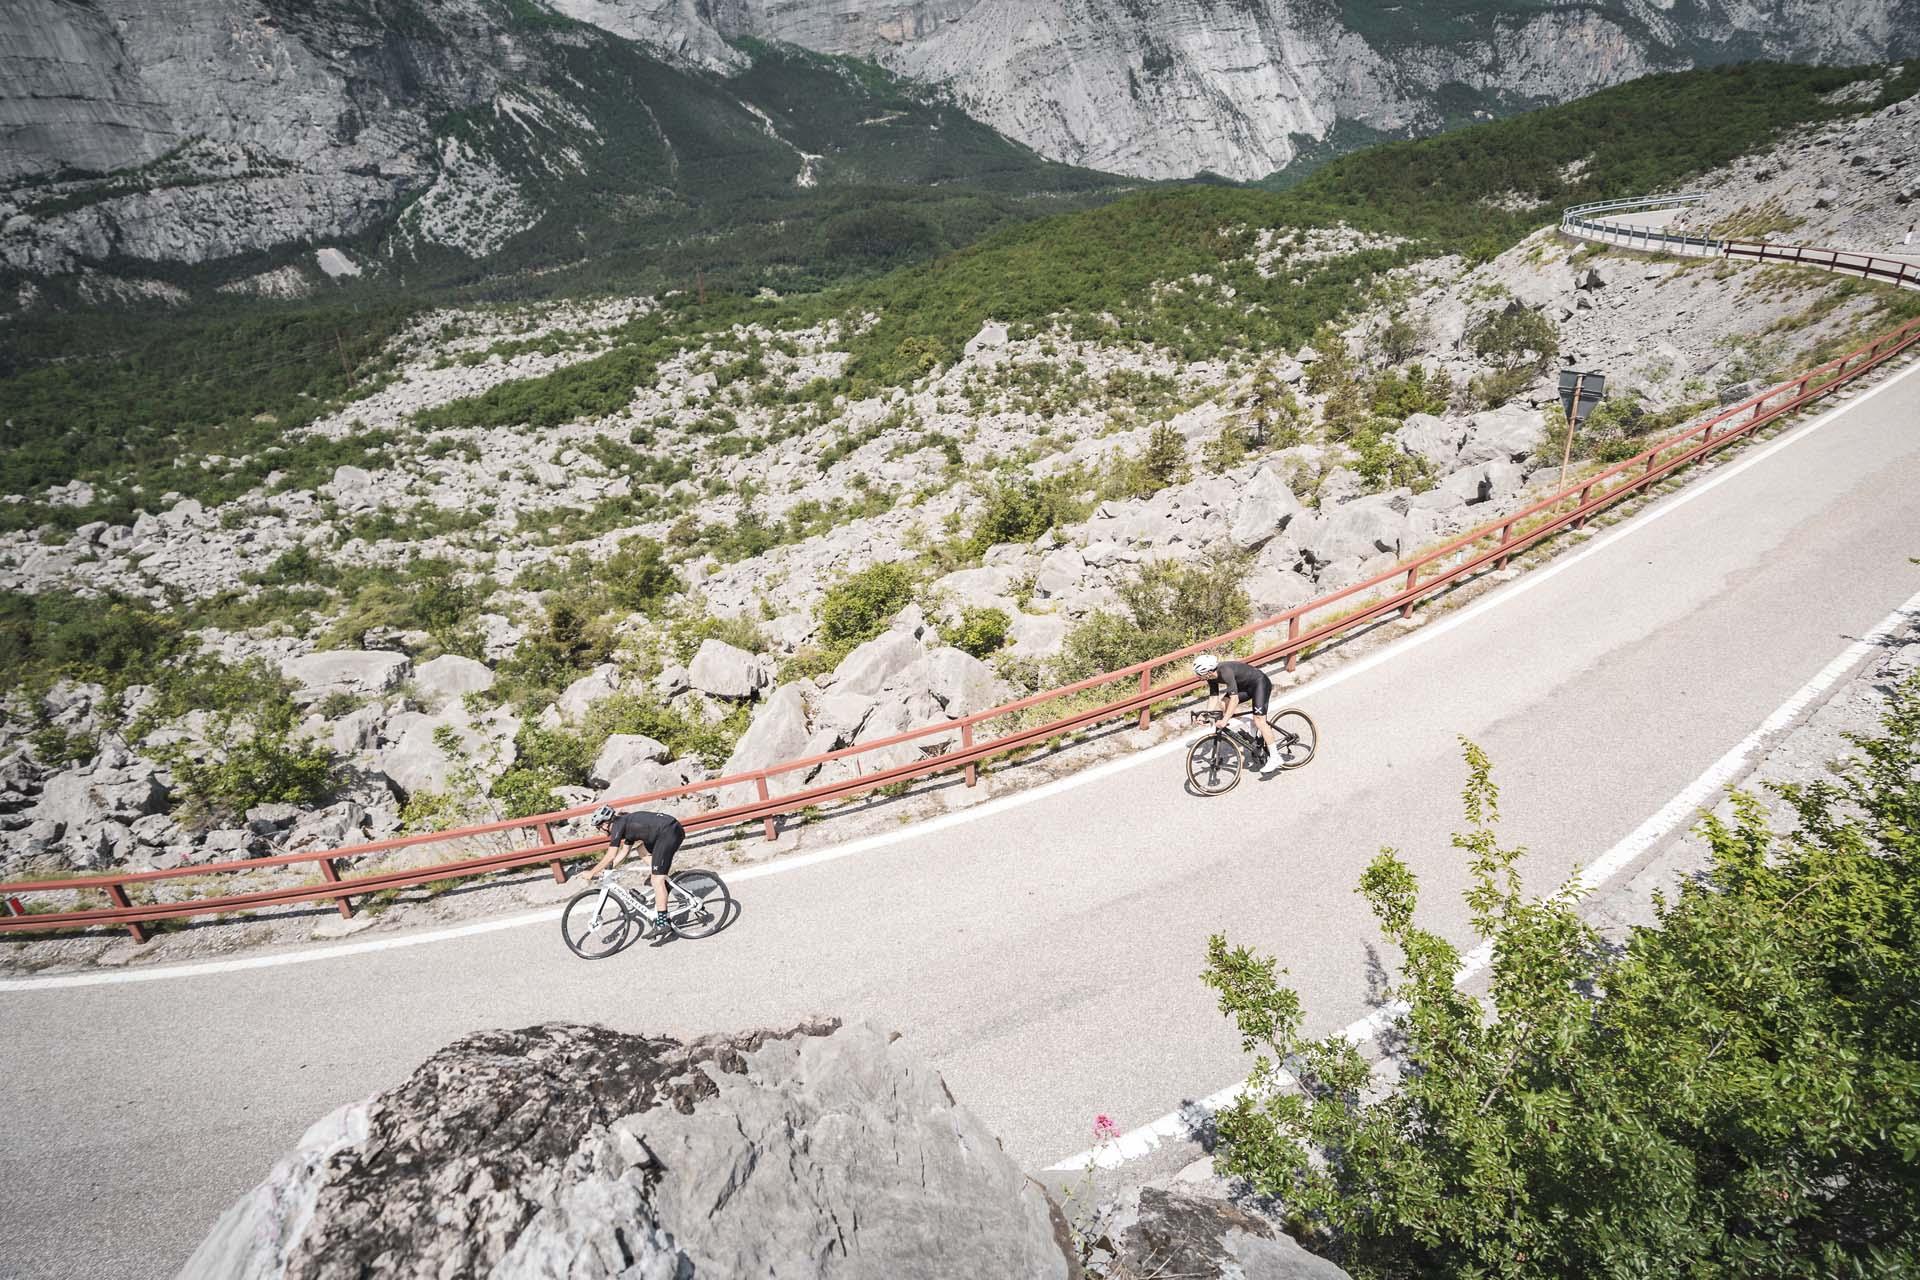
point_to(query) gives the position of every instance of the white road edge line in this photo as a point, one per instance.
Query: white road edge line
(1697, 795)
(1495, 599)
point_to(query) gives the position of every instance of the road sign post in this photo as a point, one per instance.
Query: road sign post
(1580, 390)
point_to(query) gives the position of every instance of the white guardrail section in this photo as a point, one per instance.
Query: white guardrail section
(1593, 222)
(1599, 222)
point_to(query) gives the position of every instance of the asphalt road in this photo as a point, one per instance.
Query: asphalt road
(1045, 955)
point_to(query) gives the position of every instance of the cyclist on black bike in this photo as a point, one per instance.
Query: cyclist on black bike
(1231, 683)
(659, 834)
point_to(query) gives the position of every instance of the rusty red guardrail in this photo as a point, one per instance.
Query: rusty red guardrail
(957, 744)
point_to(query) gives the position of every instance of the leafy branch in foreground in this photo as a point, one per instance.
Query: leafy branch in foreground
(1736, 1091)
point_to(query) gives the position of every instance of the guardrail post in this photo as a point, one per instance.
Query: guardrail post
(769, 826)
(1293, 633)
(119, 898)
(1413, 576)
(331, 874)
(1506, 536)
(545, 831)
(966, 744)
(1581, 522)
(1146, 683)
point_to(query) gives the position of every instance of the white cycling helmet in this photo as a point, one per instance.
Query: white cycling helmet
(602, 816)
(1205, 664)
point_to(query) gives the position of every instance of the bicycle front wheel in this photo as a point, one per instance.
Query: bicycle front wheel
(1295, 738)
(699, 906)
(1214, 764)
(595, 930)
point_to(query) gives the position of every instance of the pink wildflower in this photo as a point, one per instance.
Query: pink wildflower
(1104, 1129)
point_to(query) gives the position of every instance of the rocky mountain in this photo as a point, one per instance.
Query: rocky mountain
(290, 140)
(283, 141)
(1178, 87)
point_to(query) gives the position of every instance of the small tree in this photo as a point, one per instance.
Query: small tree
(1402, 337)
(1736, 1093)
(1516, 338)
(638, 576)
(1272, 410)
(1335, 364)
(1345, 410)
(1164, 461)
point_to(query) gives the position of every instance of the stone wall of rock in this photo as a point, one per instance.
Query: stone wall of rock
(823, 1151)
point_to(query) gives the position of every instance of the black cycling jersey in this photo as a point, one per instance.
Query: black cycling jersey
(640, 827)
(1246, 682)
(660, 833)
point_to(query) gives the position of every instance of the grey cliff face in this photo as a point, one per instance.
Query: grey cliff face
(191, 131)
(576, 1151)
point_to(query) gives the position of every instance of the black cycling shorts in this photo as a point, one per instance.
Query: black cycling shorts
(663, 846)
(1257, 698)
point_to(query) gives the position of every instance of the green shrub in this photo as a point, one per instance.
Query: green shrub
(982, 631)
(637, 576)
(1400, 395)
(1735, 1092)
(1380, 462)
(262, 760)
(107, 640)
(1273, 411)
(859, 606)
(1168, 606)
(571, 640)
(1021, 509)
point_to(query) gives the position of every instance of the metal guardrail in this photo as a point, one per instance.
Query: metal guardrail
(1490, 546)
(1583, 221)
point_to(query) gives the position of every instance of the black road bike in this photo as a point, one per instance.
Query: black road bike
(1215, 762)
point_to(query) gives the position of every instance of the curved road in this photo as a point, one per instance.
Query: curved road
(1045, 955)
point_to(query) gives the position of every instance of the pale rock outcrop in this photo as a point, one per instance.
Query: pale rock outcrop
(778, 733)
(1361, 529)
(483, 744)
(644, 777)
(722, 671)
(644, 1158)
(1265, 507)
(622, 752)
(452, 676)
(1435, 441)
(873, 665)
(1508, 434)
(354, 672)
(1036, 635)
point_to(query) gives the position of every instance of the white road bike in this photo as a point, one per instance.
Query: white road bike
(604, 918)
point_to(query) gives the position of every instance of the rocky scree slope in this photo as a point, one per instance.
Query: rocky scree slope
(474, 620)
(263, 148)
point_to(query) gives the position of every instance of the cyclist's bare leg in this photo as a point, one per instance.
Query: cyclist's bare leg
(660, 894)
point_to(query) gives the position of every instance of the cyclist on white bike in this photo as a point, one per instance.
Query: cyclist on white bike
(1229, 684)
(659, 834)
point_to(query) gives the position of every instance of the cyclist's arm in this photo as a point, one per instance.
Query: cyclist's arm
(615, 855)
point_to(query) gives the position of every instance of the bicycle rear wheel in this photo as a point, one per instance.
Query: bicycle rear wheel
(593, 938)
(1295, 738)
(698, 905)
(1214, 764)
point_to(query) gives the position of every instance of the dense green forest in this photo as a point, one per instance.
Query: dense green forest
(122, 394)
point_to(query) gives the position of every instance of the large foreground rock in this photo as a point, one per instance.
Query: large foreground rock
(1176, 1233)
(573, 1151)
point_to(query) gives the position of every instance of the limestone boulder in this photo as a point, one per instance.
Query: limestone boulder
(481, 746)
(355, 672)
(1509, 434)
(778, 733)
(871, 666)
(622, 752)
(1263, 510)
(721, 671)
(1434, 441)
(452, 676)
(643, 1158)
